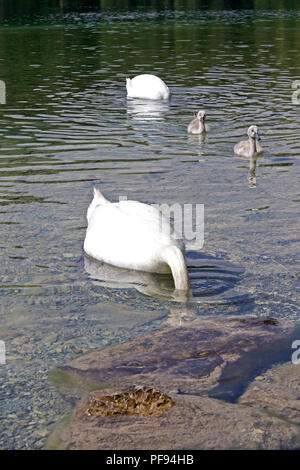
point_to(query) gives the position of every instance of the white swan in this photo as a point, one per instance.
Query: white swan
(251, 147)
(198, 125)
(147, 86)
(133, 235)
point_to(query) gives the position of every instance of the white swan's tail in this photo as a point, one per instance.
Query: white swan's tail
(174, 257)
(128, 84)
(99, 197)
(97, 201)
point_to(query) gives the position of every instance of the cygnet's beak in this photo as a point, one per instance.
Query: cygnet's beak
(257, 136)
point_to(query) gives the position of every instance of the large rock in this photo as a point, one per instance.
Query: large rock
(194, 422)
(188, 367)
(190, 358)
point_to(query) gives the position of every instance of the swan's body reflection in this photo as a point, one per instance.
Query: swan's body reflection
(157, 285)
(252, 175)
(196, 138)
(145, 110)
(212, 280)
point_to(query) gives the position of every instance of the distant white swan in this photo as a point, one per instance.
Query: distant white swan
(198, 125)
(147, 86)
(133, 235)
(251, 147)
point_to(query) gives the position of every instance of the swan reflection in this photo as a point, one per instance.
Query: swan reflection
(212, 280)
(196, 138)
(158, 285)
(147, 110)
(251, 174)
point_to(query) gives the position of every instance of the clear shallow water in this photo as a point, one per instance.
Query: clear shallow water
(67, 125)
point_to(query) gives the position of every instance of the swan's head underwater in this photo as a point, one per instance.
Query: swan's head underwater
(253, 133)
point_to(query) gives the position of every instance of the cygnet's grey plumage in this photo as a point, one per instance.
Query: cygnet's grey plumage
(198, 124)
(249, 148)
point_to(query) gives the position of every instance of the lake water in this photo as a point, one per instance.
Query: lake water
(67, 126)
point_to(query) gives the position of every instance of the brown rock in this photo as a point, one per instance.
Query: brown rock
(194, 422)
(189, 358)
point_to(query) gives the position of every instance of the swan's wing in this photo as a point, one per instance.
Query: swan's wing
(242, 148)
(153, 221)
(193, 126)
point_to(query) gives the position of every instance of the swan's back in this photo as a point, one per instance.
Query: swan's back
(147, 86)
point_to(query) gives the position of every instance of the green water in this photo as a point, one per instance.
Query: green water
(67, 125)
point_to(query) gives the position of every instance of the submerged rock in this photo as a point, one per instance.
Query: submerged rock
(182, 372)
(278, 392)
(190, 358)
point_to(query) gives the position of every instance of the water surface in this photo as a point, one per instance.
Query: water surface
(67, 126)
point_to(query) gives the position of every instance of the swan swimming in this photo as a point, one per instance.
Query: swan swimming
(251, 147)
(198, 125)
(134, 235)
(148, 87)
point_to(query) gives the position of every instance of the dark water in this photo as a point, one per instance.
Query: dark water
(67, 125)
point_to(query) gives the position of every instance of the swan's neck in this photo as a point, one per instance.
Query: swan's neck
(201, 125)
(253, 149)
(174, 257)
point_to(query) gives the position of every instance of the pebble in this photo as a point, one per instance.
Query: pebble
(42, 432)
(258, 431)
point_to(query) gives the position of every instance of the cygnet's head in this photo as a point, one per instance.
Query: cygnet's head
(253, 132)
(201, 115)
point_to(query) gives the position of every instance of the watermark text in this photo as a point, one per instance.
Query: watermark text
(296, 93)
(296, 354)
(2, 92)
(2, 353)
(180, 221)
